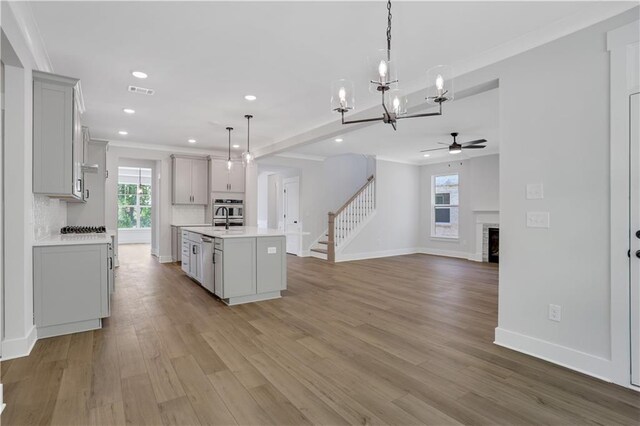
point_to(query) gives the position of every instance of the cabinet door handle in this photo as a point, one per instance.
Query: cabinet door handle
(111, 263)
(79, 185)
(87, 196)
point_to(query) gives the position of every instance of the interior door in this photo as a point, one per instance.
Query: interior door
(634, 235)
(292, 215)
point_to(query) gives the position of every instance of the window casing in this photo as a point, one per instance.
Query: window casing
(445, 208)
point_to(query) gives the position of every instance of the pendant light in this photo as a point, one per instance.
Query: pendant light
(385, 81)
(139, 181)
(229, 163)
(247, 157)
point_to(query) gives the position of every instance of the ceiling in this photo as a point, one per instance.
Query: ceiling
(474, 117)
(203, 57)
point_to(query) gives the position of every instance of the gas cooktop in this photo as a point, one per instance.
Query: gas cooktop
(83, 230)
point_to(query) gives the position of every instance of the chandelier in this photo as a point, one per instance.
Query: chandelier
(385, 81)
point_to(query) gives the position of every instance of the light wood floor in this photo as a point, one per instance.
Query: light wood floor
(402, 340)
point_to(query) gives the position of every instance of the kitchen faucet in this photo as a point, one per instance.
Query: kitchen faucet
(226, 216)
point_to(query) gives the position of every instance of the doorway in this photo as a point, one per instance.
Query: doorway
(634, 234)
(291, 208)
(134, 205)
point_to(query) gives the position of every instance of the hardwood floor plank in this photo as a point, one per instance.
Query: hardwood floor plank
(140, 405)
(207, 404)
(398, 340)
(238, 400)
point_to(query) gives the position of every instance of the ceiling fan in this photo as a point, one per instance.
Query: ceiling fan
(456, 148)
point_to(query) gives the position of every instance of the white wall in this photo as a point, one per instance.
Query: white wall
(563, 143)
(395, 227)
(479, 191)
(344, 175)
(25, 216)
(312, 204)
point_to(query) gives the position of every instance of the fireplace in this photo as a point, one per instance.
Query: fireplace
(493, 245)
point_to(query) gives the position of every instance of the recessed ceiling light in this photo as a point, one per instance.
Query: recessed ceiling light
(129, 111)
(191, 141)
(236, 146)
(427, 155)
(250, 97)
(123, 132)
(139, 74)
(338, 140)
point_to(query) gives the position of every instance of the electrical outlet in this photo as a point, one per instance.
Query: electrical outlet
(535, 191)
(538, 219)
(555, 312)
(272, 250)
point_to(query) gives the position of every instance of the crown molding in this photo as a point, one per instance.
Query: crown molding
(22, 14)
(174, 149)
(300, 156)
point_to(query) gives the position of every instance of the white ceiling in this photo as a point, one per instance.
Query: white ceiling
(203, 57)
(474, 117)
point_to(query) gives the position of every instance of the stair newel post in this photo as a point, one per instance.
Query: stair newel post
(331, 246)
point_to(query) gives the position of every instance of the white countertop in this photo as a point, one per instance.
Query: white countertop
(235, 232)
(191, 224)
(74, 239)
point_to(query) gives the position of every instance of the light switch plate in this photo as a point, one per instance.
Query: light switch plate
(555, 312)
(538, 219)
(272, 250)
(535, 191)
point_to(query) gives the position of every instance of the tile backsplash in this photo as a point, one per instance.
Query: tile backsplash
(186, 215)
(49, 215)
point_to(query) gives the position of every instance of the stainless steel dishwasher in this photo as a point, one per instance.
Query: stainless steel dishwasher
(207, 263)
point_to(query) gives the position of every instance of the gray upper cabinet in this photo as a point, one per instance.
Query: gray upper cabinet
(93, 211)
(223, 180)
(190, 180)
(58, 143)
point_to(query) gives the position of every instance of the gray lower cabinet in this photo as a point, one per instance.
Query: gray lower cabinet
(249, 269)
(271, 264)
(71, 287)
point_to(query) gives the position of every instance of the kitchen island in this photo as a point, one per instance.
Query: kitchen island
(239, 265)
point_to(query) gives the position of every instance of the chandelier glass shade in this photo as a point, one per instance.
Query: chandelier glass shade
(342, 95)
(440, 84)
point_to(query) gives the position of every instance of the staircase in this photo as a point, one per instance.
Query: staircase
(345, 222)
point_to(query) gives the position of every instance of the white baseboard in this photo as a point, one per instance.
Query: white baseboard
(2, 404)
(304, 253)
(476, 257)
(346, 257)
(165, 259)
(17, 348)
(561, 355)
(447, 253)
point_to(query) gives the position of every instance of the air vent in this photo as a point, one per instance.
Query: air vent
(141, 90)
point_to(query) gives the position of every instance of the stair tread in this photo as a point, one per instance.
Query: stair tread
(319, 250)
(323, 242)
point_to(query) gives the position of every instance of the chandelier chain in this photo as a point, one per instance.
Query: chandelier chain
(389, 16)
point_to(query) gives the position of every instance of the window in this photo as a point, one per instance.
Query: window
(134, 198)
(444, 206)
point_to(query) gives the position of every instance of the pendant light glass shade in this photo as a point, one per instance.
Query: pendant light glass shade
(342, 95)
(396, 102)
(382, 70)
(440, 84)
(229, 163)
(247, 156)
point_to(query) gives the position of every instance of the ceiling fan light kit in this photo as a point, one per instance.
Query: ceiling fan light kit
(457, 148)
(384, 79)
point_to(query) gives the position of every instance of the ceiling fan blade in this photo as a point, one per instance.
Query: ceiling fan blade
(477, 141)
(473, 146)
(434, 149)
(444, 143)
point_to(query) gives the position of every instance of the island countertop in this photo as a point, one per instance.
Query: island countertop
(235, 232)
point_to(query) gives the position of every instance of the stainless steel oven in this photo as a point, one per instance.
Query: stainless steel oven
(235, 207)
